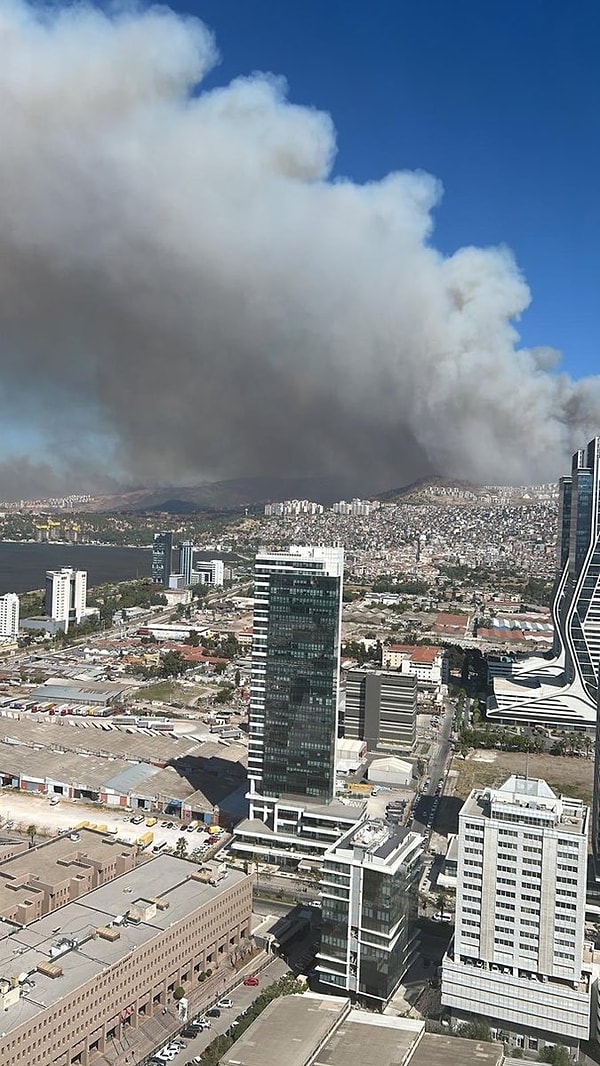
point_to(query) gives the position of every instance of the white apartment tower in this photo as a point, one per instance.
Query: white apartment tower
(517, 958)
(9, 615)
(66, 593)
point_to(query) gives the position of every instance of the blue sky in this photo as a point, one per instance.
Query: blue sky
(499, 100)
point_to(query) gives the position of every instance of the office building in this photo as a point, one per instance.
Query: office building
(58, 872)
(381, 708)
(563, 691)
(186, 558)
(66, 594)
(517, 957)
(162, 549)
(9, 615)
(369, 884)
(294, 708)
(71, 993)
(209, 572)
(295, 675)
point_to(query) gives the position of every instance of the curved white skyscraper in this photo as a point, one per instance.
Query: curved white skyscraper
(564, 690)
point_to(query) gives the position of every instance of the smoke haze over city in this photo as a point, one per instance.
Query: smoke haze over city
(186, 293)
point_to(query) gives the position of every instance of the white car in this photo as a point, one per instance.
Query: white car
(225, 1002)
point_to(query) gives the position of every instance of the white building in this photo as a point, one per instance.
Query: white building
(66, 593)
(9, 615)
(429, 664)
(518, 949)
(369, 884)
(208, 573)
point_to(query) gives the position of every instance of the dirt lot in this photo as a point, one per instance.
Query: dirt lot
(572, 777)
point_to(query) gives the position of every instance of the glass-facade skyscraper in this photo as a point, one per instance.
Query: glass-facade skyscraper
(162, 548)
(295, 675)
(563, 691)
(576, 603)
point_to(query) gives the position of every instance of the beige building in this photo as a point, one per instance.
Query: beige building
(117, 958)
(38, 881)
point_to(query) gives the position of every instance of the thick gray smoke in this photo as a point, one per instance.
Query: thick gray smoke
(185, 294)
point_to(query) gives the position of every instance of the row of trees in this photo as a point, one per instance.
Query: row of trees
(286, 986)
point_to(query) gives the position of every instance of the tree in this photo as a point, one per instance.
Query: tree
(238, 678)
(31, 833)
(172, 664)
(178, 993)
(181, 847)
(557, 1055)
(194, 638)
(478, 1029)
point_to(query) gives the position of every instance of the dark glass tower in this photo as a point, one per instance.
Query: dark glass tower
(162, 547)
(301, 686)
(295, 674)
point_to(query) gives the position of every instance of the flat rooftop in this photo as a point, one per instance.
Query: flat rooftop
(313, 1030)
(164, 877)
(57, 860)
(288, 1031)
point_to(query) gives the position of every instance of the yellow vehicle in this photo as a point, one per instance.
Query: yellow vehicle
(145, 840)
(150, 821)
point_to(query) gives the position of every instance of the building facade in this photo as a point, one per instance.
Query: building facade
(162, 550)
(564, 689)
(186, 559)
(517, 958)
(211, 572)
(428, 663)
(9, 615)
(66, 595)
(369, 885)
(295, 676)
(381, 708)
(117, 959)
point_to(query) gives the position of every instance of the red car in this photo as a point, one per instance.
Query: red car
(251, 980)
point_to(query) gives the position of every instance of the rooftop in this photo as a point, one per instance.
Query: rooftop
(313, 1030)
(169, 879)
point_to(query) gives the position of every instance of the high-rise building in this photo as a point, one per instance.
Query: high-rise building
(294, 708)
(9, 615)
(66, 594)
(517, 957)
(564, 690)
(295, 675)
(162, 548)
(186, 558)
(381, 708)
(369, 885)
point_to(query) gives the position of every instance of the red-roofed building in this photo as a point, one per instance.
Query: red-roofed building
(428, 663)
(454, 624)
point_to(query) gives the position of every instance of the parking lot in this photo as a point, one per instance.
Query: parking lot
(18, 811)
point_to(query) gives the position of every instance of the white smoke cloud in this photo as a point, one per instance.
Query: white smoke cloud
(186, 293)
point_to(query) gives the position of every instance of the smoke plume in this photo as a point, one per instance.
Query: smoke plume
(185, 293)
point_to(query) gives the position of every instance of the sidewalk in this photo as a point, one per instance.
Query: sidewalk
(138, 1044)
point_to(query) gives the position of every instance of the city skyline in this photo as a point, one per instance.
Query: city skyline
(287, 247)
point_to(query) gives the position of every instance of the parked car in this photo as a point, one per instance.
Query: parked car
(226, 1002)
(251, 980)
(213, 1012)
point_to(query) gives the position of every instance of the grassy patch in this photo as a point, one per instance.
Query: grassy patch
(570, 776)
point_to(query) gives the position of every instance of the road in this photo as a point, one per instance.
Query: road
(242, 996)
(426, 804)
